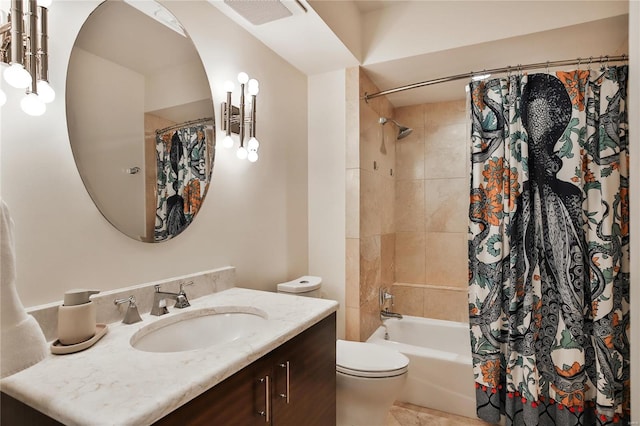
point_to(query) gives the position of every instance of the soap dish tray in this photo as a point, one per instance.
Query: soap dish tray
(60, 349)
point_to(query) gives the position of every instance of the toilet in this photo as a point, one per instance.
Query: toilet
(369, 377)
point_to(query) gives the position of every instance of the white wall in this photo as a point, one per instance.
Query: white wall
(190, 85)
(254, 217)
(327, 185)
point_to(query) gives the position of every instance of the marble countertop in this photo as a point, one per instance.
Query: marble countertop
(112, 383)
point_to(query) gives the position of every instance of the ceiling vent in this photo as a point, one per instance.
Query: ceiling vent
(259, 12)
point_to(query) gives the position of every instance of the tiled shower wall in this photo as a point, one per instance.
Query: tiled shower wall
(407, 205)
(431, 210)
(370, 205)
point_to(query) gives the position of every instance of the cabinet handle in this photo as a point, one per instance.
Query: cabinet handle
(287, 394)
(267, 398)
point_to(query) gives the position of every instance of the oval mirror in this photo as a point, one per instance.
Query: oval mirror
(140, 118)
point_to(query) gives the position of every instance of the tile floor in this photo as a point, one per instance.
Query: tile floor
(403, 414)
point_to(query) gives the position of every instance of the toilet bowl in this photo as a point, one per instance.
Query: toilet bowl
(369, 378)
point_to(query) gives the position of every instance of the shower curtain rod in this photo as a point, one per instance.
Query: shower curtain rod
(539, 65)
(186, 123)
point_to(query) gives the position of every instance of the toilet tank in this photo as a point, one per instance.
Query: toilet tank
(308, 286)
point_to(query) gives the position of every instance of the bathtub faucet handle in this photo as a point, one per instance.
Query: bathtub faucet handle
(385, 295)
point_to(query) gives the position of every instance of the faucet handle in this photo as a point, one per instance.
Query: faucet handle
(385, 295)
(181, 298)
(132, 315)
(183, 284)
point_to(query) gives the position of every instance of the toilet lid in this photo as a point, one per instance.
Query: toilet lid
(369, 360)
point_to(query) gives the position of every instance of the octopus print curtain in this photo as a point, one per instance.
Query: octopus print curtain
(549, 248)
(182, 179)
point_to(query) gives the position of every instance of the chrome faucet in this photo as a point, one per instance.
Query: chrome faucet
(384, 310)
(386, 313)
(159, 305)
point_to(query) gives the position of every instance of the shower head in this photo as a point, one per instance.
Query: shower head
(403, 131)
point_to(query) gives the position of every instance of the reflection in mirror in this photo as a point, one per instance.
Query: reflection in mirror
(140, 118)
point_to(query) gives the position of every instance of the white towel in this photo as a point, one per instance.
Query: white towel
(22, 343)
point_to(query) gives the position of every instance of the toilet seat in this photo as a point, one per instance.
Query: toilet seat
(368, 360)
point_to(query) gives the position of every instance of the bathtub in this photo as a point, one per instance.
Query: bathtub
(440, 372)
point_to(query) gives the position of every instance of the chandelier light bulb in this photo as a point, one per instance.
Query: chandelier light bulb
(46, 92)
(228, 86)
(243, 78)
(253, 144)
(44, 3)
(17, 76)
(3, 98)
(252, 156)
(227, 142)
(242, 153)
(33, 105)
(253, 83)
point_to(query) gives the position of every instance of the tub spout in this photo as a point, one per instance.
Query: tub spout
(386, 313)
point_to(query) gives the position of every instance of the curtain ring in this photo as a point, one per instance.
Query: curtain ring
(547, 67)
(579, 62)
(607, 60)
(590, 60)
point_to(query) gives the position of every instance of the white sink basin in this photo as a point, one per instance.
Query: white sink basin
(198, 329)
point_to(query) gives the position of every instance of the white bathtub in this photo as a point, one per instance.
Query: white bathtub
(440, 372)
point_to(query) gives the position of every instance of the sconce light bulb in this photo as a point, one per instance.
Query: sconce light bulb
(253, 90)
(33, 105)
(253, 82)
(227, 142)
(3, 98)
(252, 156)
(253, 144)
(44, 3)
(228, 86)
(242, 153)
(17, 76)
(243, 78)
(46, 92)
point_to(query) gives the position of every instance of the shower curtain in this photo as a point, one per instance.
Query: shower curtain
(182, 179)
(549, 248)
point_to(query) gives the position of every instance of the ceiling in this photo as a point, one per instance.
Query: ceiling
(400, 42)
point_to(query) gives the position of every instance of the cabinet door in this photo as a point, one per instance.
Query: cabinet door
(240, 400)
(304, 383)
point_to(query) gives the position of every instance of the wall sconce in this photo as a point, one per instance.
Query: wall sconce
(235, 119)
(24, 54)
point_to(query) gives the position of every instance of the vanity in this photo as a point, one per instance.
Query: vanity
(281, 374)
(143, 141)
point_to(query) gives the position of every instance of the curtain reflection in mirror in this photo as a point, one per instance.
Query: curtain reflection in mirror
(183, 156)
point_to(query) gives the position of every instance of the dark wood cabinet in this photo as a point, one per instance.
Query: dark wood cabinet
(293, 385)
(310, 396)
